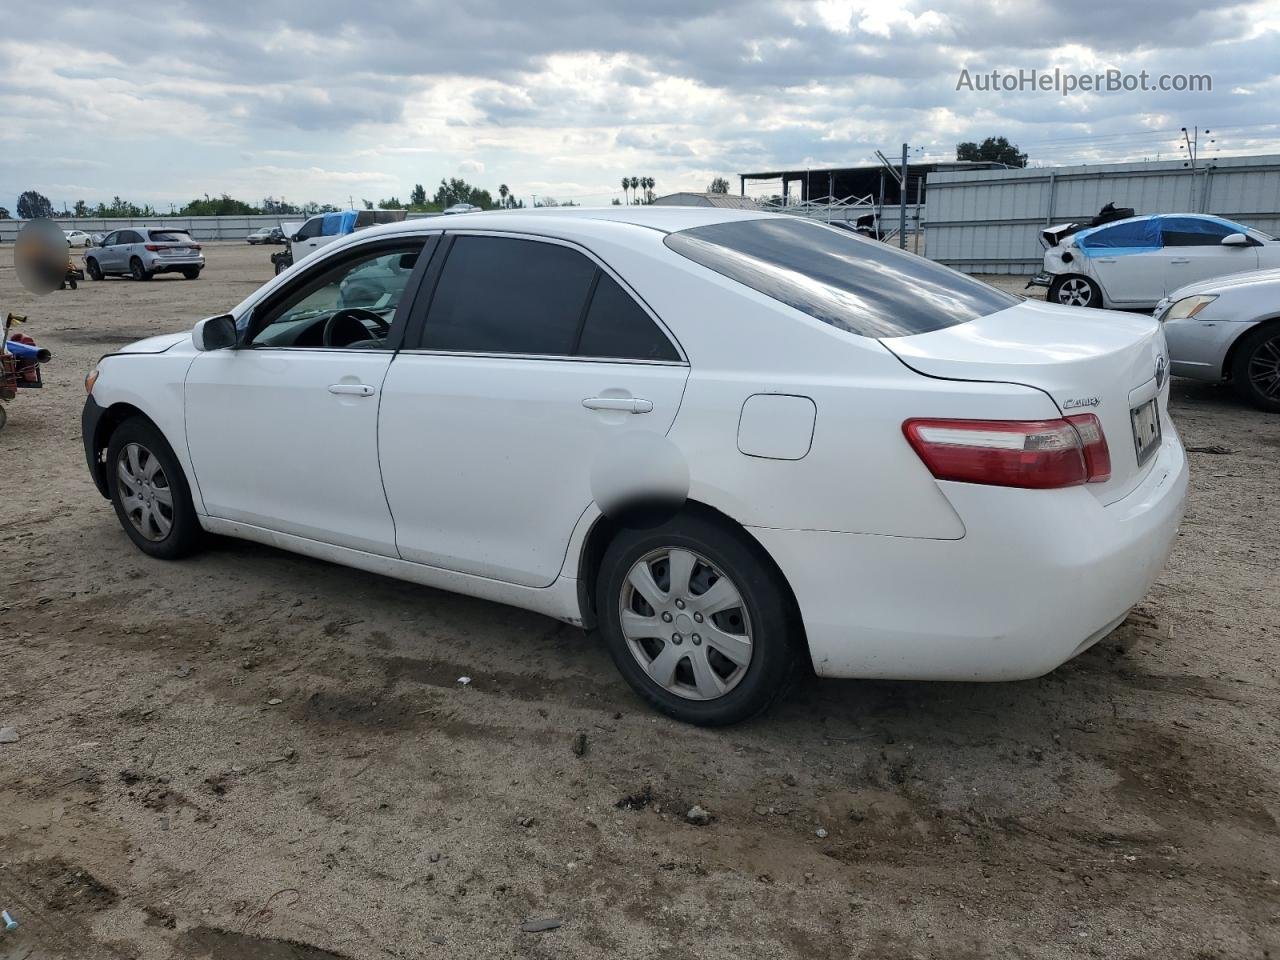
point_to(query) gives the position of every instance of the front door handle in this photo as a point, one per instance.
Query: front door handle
(351, 389)
(625, 404)
(1181, 260)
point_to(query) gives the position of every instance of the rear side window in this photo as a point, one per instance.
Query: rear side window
(503, 295)
(859, 285)
(617, 326)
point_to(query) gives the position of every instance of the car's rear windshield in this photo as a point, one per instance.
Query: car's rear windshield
(170, 236)
(863, 286)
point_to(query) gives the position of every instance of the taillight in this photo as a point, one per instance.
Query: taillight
(1097, 458)
(196, 246)
(153, 247)
(1034, 454)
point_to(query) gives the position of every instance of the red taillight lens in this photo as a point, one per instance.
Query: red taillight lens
(1034, 454)
(153, 247)
(1097, 458)
(196, 246)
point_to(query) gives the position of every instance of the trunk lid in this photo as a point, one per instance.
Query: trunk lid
(1107, 363)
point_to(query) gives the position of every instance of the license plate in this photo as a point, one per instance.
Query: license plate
(1146, 429)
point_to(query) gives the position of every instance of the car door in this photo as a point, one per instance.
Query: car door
(283, 430)
(1127, 259)
(107, 251)
(1196, 251)
(533, 368)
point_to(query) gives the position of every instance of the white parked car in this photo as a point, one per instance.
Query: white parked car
(1228, 330)
(1136, 262)
(78, 238)
(731, 440)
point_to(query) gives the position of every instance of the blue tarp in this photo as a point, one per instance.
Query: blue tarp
(348, 221)
(332, 225)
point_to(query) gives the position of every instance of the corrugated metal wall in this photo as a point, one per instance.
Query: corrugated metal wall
(987, 221)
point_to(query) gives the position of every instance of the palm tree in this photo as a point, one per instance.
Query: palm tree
(503, 192)
(635, 185)
(649, 184)
(626, 182)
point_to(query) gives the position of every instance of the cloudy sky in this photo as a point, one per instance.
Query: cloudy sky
(326, 99)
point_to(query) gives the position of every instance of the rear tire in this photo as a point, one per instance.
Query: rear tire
(137, 271)
(149, 491)
(191, 273)
(1255, 369)
(1074, 290)
(92, 268)
(707, 637)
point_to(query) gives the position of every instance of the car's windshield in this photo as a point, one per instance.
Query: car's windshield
(863, 286)
(170, 236)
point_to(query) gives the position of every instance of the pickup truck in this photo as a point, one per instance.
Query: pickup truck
(306, 238)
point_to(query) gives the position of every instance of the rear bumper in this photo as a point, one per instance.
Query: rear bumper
(175, 266)
(1037, 579)
(1041, 279)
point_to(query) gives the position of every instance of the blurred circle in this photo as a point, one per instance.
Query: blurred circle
(41, 255)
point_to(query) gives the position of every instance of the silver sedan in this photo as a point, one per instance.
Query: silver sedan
(1228, 329)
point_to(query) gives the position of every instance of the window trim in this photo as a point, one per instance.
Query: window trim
(326, 264)
(417, 324)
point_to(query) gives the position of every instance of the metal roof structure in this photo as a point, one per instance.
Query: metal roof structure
(726, 200)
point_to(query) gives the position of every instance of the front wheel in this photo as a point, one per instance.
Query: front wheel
(696, 620)
(1255, 371)
(149, 491)
(1074, 290)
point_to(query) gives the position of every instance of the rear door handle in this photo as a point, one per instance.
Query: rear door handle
(625, 404)
(351, 389)
(1106, 259)
(1181, 260)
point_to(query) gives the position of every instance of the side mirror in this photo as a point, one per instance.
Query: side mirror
(215, 333)
(1235, 240)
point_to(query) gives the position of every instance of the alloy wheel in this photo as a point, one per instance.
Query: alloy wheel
(1075, 292)
(686, 624)
(144, 492)
(1264, 369)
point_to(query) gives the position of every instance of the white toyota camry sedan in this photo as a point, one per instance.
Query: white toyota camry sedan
(733, 442)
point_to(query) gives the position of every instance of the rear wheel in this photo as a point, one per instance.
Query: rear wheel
(1074, 290)
(1255, 371)
(92, 268)
(191, 273)
(137, 270)
(149, 491)
(696, 620)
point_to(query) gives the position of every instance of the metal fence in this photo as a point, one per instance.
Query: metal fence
(988, 221)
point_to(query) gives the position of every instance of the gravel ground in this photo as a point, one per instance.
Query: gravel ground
(253, 755)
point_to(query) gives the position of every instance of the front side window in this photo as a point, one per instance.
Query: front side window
(350, 305)
(1197, 231)
(859, 285)
(311, 228)
(504, 295)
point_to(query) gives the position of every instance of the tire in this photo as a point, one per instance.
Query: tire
(4, 416)
(167, 532)
(137, 271)
(91, 266)
(281, 267)
(1074, 290)
(191, 273)
(1255, 368)
(703, 686)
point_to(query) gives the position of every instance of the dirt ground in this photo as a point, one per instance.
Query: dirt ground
(250, 755)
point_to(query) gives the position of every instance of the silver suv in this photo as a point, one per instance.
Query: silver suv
(143, 252)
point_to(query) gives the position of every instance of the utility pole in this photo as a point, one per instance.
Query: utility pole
(902, 202)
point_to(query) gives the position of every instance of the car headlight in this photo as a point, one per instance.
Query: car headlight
(90, 380)
(1188, 307)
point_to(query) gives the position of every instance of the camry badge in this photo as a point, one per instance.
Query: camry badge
(1075, 403)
